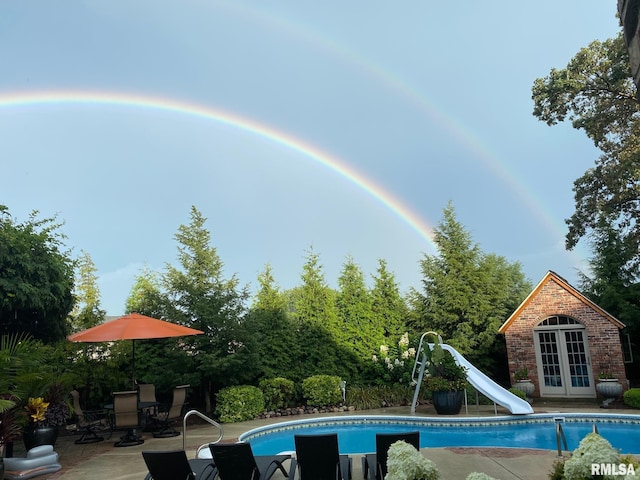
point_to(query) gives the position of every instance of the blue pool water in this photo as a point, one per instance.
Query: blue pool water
(356, 434)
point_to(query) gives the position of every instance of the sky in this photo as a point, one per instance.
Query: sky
(342, 128)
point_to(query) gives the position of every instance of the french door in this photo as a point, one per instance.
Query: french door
(564, 364)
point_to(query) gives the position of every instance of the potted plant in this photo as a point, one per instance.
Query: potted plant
(446, 381)
(20, 362)
(523, 382)
(45, 416)
(608, 386)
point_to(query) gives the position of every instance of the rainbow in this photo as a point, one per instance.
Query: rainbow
(282, 25)
(40, 99)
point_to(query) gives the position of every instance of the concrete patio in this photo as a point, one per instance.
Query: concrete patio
(104, 461)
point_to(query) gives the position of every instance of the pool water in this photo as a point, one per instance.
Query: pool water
(357, 434)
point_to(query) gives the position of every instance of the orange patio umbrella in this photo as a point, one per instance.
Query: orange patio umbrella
(132, 327)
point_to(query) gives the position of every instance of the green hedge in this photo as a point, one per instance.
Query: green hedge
(277, 392)
(632, 397)
(322, 390)
(237, 404)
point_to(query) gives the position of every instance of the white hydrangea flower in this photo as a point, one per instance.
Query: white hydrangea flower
(406, 463)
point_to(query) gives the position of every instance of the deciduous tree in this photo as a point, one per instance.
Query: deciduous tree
(36, 277)
(596, 92)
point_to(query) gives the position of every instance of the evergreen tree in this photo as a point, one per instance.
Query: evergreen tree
(390, 311)
(356, 330)
(613, 283)
(466, 294)
(276, 342)
(201, 298)
(86, 311)
(316, 321)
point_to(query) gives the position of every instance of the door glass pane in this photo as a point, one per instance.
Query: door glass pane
(550, 359)
(577, 359)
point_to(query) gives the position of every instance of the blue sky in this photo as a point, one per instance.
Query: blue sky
(423, 103)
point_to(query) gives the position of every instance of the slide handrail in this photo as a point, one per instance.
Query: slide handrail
(475, 377)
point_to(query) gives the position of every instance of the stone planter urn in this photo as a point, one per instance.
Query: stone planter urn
(610, 389)
(526, 386)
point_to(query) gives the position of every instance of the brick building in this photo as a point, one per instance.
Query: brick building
(564, 340)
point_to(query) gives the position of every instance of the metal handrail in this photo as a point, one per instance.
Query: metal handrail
(206, 419)
(560, 435)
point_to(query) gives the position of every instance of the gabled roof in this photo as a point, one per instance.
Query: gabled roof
(564, 284)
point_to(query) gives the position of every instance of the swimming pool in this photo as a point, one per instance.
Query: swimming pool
(356, 434)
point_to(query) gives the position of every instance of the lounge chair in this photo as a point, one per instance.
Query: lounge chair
(235, 461)
(127, 416)
(174, 465)
(161, 421)
(318, 458)
(91, 423)
(377, 462)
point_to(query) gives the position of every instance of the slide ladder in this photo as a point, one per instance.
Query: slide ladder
(481, 382)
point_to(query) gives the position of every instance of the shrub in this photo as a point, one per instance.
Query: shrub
(557, 470)
(592, 449)
(322, 390)
(518, 393)
(404, 462)
(632, 397)
(479, 476)
(240, 403)
(277, 392)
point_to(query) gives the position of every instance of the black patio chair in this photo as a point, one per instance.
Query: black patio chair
(92, 424)
(174, 465)
(318, 458)
(235, 461)
(377, 462)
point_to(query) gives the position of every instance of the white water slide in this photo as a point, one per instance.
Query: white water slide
(479, 380)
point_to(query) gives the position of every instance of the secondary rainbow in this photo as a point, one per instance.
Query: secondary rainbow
(40, 99)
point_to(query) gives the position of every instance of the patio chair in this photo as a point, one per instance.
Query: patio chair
(235, 461)
(318, 458)
(161, 421)
(174, 465)
(127, 416)
(377, 462)
(91, 423)
(147, 403)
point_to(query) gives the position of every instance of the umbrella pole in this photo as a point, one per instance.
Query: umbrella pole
(133, 366)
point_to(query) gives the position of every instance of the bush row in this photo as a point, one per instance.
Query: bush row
(246, 402)
(318, 393)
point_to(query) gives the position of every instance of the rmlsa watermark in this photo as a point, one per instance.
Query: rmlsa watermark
(613, 469)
